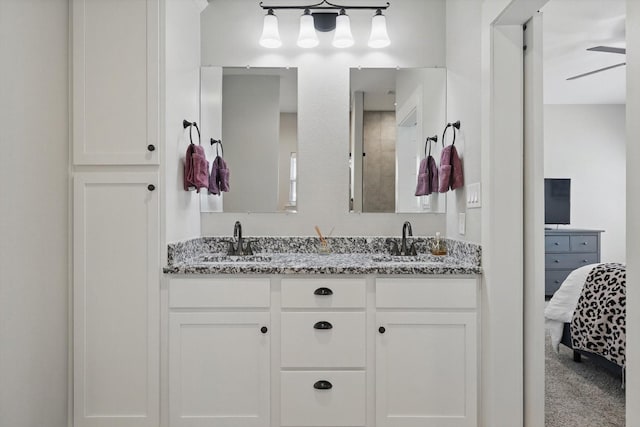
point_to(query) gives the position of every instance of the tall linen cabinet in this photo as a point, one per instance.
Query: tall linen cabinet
(116, 212)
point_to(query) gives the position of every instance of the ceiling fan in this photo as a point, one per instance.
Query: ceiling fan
(607, 49)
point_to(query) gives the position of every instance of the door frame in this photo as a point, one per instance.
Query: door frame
(505, 241)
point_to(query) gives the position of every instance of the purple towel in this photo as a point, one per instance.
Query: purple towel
(196, 169)
(427, 177)
(219, 178)
(451, 176)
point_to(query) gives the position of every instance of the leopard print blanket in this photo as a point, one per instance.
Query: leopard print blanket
(598, 323)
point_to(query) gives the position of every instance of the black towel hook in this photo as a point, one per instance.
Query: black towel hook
(218, 142)
(455, 125)
(433, 138)
(188, 124)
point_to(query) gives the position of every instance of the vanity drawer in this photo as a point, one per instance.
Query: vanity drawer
(569, 261)
(581, 243)
(302, 404)
(426, 293)
(323, 293)
(219, 293)
(322, 339)
(556, 243)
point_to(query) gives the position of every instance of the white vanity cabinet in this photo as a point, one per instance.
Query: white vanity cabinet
(426, 353)
(219, 352)
(323, 352)
(337, 351)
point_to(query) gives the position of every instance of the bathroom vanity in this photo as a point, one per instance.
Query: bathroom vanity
(301, 339)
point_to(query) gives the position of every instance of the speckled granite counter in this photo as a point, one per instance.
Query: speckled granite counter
(299, 255)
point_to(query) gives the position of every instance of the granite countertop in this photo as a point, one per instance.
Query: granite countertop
(299, 255)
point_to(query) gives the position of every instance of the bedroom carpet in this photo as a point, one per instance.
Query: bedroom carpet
(580, 394)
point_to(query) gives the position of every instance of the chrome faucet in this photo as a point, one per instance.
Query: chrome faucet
(240, 248)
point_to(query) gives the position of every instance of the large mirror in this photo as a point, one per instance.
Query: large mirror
(393, 112)
(254, 112)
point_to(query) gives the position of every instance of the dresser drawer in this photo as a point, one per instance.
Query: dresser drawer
(323, 293)
(582, 243)
(219, 293)
(553, 279)
(303, 403)
(569, 261)
(426, 293)
(556, 243)
(323, 339)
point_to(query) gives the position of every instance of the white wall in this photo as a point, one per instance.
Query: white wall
(463, 103)
(417, 32)
(182, 101)
(34, 212)
(587, 144)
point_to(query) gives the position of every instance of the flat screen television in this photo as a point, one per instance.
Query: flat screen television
(557, 200)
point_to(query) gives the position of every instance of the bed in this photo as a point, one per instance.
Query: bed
(587, 314)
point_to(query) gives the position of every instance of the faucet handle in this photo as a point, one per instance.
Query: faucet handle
(412, 249)
(247, 249)
(232, 249)
(393, 247)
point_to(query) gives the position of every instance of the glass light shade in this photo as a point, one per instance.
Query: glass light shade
(379, 37)
(270, 37)
(307, 38)
(343, 37)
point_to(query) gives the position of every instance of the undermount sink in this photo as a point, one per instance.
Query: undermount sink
(407, 258)
(235, 258)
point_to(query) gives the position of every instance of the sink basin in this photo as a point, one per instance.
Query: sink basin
(235, 258)
(398, 258)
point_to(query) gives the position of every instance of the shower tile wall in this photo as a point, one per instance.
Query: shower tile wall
(379, 163)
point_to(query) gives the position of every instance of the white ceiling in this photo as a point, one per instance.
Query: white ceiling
(570, 27)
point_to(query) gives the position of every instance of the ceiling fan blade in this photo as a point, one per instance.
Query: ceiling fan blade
(608, 49)
(597, 71)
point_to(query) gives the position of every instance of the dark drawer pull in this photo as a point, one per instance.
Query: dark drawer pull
(584, 243)
(557, 244)
(556, 260)
(151, 187)
(585, 261)
(556, 281)
(323, 325)
(151, 147)
(264, 329)
(323, 291)
(382, 329)
(323, 385)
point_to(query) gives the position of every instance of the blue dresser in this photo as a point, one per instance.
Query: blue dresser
(565, 250)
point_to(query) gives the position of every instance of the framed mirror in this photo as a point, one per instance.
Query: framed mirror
(254, 113)
(392, 112)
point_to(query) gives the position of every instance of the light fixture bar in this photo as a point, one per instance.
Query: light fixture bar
(325, 5)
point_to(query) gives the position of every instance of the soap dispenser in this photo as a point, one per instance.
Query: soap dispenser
(438, 247)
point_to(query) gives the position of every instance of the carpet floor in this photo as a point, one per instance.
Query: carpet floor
(580, 394)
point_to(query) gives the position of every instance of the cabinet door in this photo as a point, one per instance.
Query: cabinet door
(116, 300)
(426, 369)
(115, 81)
(219, 369)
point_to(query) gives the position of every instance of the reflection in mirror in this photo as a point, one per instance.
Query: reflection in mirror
(254, 111)
(393, 111)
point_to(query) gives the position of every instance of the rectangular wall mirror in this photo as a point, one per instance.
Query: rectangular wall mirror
(254, 111)
(393, 111)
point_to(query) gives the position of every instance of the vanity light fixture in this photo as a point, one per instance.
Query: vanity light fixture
(342, 38)
(307, 37)
(325, 16)
(270, 37)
